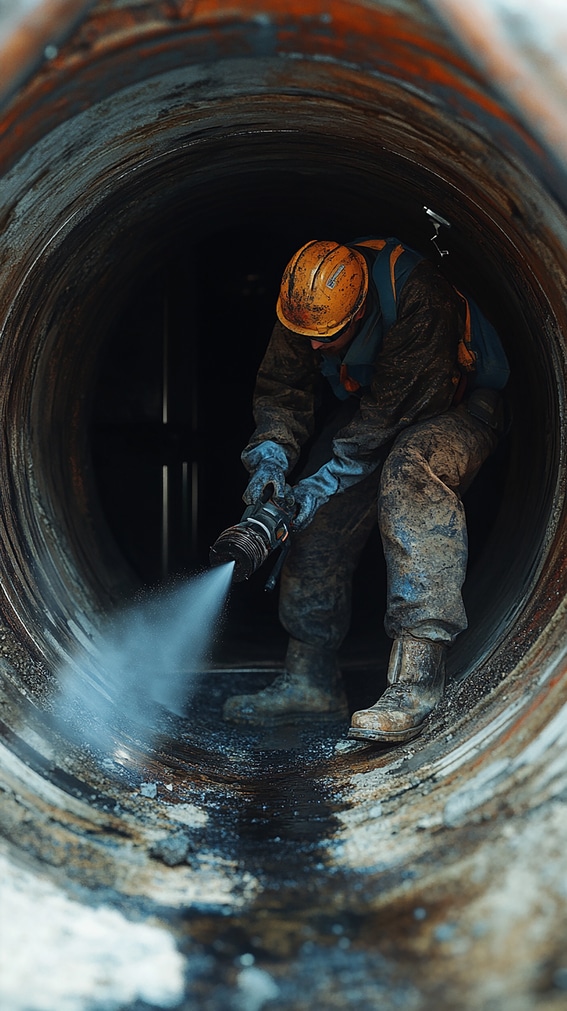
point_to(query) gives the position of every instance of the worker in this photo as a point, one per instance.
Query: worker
(416, 369)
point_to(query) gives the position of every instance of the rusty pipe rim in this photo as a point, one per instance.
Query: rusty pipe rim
(521, 52)
(73, 224)
(31, 34)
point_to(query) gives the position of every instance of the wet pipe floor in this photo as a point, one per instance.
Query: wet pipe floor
(230, 838)
(275, 832)
(258, 803)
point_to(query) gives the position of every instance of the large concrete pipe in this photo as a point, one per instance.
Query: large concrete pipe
(201, 141)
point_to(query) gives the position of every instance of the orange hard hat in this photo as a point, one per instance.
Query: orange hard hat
(323, 287)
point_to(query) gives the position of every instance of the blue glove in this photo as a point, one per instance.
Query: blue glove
(333, 477)
(311, 493)
(267, 464)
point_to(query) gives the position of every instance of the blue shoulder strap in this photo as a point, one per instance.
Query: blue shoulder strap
(391, 269)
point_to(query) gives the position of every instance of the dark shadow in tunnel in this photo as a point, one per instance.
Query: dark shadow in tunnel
(193, 296)
(201, 322)
(172, 412)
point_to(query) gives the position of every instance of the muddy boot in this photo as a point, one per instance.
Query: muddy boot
(310, 688)
(416, 676)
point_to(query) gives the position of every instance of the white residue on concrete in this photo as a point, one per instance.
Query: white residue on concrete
(59, 955)
(255, 988)
(188, 814)
(475, 792)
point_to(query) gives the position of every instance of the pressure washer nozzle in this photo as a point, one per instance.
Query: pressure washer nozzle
(264, 527)
(241, 545)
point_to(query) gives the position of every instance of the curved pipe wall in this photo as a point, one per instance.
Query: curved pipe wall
(163, 120)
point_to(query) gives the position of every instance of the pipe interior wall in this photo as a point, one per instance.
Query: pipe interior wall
(164, 140)
(31, 33)
(520, 49)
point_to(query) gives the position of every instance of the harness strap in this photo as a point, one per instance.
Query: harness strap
(480, 356)
(384, 274)
(372, 243)
(351, 385)
(465, 354)
(388, 288)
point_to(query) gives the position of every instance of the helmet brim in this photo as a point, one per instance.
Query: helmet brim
(314, 334)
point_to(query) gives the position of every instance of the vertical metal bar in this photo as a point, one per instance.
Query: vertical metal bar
(180, 413)
(194, 507)
(195, 466)
(164, 421)
(186, 542)
(165, 362)
(165, 520)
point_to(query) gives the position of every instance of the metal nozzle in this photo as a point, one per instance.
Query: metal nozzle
(263, 528)
(242, 545)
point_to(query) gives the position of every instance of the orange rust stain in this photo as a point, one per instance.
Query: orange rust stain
(353, 31)
(513, 730)
(383, 41)
(524, 717)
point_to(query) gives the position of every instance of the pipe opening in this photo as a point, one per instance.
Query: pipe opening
(185, 235)
(167, 327)
(145, 237)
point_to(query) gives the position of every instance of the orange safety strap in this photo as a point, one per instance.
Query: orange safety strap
(465, 354)
(350, 385)
(373, 243)
(394, 256)
(466, 357)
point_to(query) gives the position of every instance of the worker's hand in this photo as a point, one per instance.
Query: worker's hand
(312, 493)
(267, 463)
(332, 478)
(306, 503)
(266, 474)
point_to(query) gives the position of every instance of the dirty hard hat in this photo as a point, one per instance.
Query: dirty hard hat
(323, 287)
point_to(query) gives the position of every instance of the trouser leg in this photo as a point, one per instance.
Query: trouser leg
(422, 523)
(315, 603)
(316, 583)
(315, 595)
(423, 529)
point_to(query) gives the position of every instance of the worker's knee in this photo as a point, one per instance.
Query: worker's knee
(449, 449)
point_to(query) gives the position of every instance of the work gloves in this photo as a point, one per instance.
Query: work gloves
(333, 477)
(311, 493)
(267, 464)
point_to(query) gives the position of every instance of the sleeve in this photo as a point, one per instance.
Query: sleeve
(415, 377)
(284, 395)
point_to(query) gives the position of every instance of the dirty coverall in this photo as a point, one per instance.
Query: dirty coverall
(413, 452)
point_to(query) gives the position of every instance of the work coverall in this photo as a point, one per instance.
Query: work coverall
(413, 452)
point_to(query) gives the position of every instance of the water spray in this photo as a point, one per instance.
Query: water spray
(264, 528)
(144, 663)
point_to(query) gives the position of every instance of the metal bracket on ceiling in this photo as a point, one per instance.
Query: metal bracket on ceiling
(438, 222)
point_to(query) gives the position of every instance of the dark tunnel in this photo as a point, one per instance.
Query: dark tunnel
(189, 341)
(157, 173)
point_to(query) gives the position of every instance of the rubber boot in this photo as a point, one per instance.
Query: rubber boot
(416, 678)
(310, 688)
